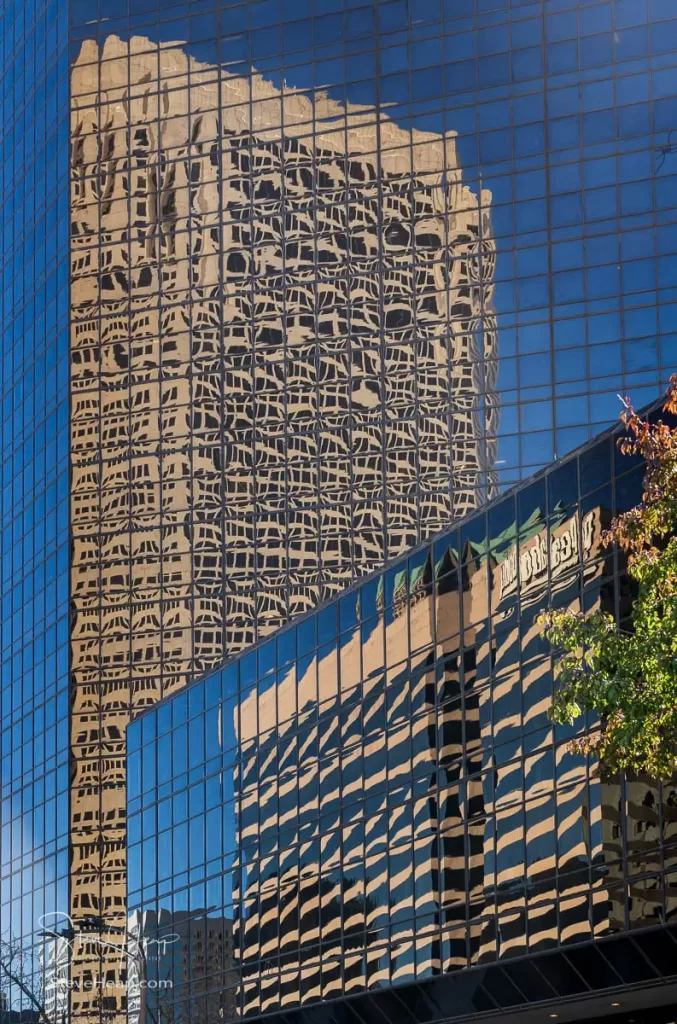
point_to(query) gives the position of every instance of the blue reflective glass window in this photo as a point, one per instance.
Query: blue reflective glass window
(630, 12)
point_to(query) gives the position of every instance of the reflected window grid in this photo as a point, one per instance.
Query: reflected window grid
(387, 821)
(34, 486)
(580, 285)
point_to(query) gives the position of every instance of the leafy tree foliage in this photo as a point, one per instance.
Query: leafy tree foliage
(629, 677)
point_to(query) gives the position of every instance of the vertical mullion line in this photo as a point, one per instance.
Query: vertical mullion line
(551, 338)
(386, 770)
(520, 539)
(71, 474)
(467, 346)
(287, 372)
(194, 310)
(96, 829)
(478, 371)
(550, 665)
(222, 360)
(483, 397)
(130, 373)
(278, 969)
(549, 238)
(380, 174)
(468, 760)
(491, 668)
(462, 780)
(447, 265)
(586, 297)
(619, 569)
(286, 363)
(432, 714)
(416, 340)
(130, 439)
(253, 551)
(351, 431)
(448, 340)
(317, 359)
(588, 774)
(345, 285)
(159, 262)
(285, 351)
(618, 232)
(660, 380)
(410, 771)
(524, 703)
(95, 835)
(624, 836)
(587, 385)
(661, 849)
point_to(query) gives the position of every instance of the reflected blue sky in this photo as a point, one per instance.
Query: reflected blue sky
(34, 429)
(434, 749)
(563, 111)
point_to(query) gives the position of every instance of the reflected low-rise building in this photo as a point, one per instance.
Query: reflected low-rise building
(377, 800)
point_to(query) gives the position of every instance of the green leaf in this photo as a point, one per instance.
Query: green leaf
(629, 679)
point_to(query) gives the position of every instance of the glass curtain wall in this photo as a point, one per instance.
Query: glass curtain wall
(283, 371)
(340, 271)
(34, 438)
(376, 797)
(561, 111)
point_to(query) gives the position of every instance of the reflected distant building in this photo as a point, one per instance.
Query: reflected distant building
(389, 813)
(283, 369)
(179, 967)
(55, 971)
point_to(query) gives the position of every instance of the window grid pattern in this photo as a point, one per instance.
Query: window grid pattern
(317, 245)
(283, 372)
(33, 490)
(564, 113)
(375, 796)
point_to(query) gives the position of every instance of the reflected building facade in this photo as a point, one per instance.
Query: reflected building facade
(283, 372)
(34, 481)
(377, 798)
(313, 246)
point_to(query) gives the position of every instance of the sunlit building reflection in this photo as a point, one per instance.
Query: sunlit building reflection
(386, 799)
(283, 369)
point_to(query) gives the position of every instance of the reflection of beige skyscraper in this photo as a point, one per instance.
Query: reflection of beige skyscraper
(283, 364)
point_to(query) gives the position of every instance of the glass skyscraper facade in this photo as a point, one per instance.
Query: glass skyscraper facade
(34, 737)
(375, 797)
(340, 273)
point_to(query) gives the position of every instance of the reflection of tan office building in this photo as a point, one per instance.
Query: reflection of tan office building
(283, 371)
(447, 752)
